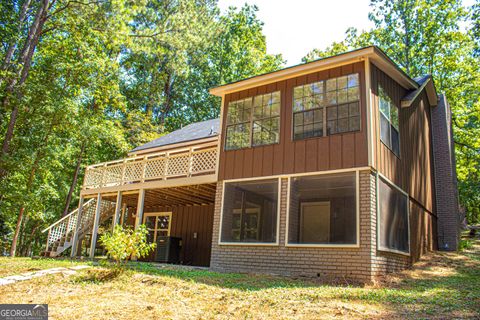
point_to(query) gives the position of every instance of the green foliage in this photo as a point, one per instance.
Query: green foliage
(465, 244)
(427, 37)
(124, 244)
(105, 77)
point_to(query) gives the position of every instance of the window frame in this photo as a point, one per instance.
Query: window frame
(254, 244)
(380, 114)
(251, 121)
(325, 106)
(393, 185)
(357, 210)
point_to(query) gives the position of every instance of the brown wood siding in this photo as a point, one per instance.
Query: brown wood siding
(337, 151)
(186, 220)
(413, 170)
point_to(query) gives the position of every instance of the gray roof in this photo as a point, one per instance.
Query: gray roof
(413, 94)
(194, 131)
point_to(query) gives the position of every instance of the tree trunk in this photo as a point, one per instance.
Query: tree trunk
(13, 248)
(38, 157)
(13, 45)
(16, 82)
(74, 181)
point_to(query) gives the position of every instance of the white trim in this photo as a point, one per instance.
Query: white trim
(312, 173)
(220, 136)
(329, 245)
(368, 99)
(277, 240)
(159, 214)
(389, 182)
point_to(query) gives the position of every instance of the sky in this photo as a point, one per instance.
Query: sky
(295, 27)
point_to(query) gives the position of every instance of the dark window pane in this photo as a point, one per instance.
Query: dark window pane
(393, 222)
(308, 131)
(298, 119)
(342, 125)
(395, 141)
(308, 117)
(318, 115)
(250, 211)
(332, 127)
(319, 212)
(343, 111)
(354, 123)
(298, 132)
(318, 129)
(331, 113)
(384, 130)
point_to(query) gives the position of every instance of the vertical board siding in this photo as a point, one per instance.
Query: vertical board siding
(412, 171)
(186, 220)
(337, 151)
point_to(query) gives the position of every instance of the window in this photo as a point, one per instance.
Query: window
(253, 121)
(323, 209)
(389, 122)
(333, 103)
(250, 210)
(393, 218)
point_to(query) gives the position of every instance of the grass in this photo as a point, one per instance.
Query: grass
(10, 266)
(442, 285)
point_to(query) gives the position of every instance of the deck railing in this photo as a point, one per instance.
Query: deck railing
(150, 167)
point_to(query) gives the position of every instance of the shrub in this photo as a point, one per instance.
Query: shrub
(124, 244)
(465, 244)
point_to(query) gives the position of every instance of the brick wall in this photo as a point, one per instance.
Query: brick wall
(448, 222)
(350, 263)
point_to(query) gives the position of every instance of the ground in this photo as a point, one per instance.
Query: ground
(442, 285)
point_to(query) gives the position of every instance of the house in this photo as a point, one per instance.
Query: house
(340, 167)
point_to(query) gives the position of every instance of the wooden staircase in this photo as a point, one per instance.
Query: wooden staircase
(61, 233)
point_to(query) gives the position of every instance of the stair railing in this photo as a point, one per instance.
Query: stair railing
(63, 227)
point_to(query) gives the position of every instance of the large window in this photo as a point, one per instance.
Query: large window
(332, 104)
(253, 121)
(389, 124)
(250, 210)
(393, 218)
(323, 210)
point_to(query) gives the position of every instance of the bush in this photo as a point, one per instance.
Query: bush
(124, 244)
(465, 244)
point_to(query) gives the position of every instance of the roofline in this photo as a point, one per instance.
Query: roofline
(375, 54)
(429, 88)
(175, 145)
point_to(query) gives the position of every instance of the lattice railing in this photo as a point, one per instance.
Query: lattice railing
(63, 230)
(158, 166)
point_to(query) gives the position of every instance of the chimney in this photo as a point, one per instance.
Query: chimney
(448, 215)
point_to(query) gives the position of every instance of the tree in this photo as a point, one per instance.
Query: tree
(424, 37)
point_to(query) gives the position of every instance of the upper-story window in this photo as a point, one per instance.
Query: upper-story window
(389, 126)
(326, 107)
(254, 121)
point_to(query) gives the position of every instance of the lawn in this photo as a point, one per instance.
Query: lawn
(442, 285)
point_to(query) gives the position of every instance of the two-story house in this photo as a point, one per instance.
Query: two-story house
(340, 167)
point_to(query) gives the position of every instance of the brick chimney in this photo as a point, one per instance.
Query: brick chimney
(448, 222)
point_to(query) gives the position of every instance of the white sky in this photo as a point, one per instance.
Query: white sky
(294, 27)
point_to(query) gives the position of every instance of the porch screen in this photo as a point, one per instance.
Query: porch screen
(250, 211)
(323, 209)
(393, 218)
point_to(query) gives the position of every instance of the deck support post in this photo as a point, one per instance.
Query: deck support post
(77, 227)
(96, 222)
(140, 203)
(118, 209)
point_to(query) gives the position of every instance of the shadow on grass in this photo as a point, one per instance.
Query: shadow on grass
(443, 285)
(97, 276)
